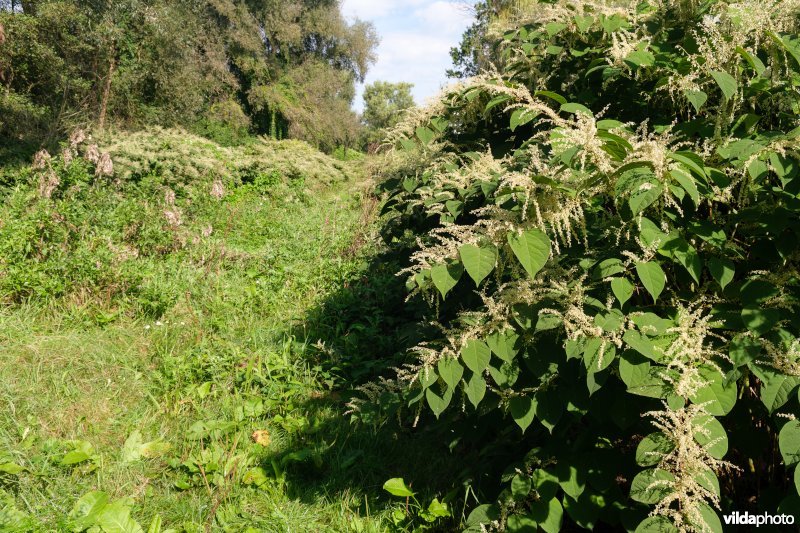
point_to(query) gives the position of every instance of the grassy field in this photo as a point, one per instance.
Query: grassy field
(203, 387)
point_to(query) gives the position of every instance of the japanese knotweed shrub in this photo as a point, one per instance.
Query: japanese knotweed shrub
(606, 228)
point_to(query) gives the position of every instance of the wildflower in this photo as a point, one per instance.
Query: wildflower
(77, 137)
(169, 196)
(217, 189)
(105, 167)
(173, 217)
(48, 183)
(92, 154)
(692, 465)
(41, 159)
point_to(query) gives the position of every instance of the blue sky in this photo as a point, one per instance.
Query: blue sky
(416, 37)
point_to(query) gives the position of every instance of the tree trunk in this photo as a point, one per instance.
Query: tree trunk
(106, 91)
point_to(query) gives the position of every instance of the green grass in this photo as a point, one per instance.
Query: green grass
(158, 387)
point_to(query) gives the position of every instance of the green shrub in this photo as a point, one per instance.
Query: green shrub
(225, 123)
(606, 231)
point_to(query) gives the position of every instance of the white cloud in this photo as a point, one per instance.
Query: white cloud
(416, 37)
(373, 9)
(447, 17)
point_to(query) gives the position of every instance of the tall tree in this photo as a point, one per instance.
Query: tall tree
(384, 104)
(69, 62)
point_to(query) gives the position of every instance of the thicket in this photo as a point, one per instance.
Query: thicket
(91, 223)
(605, 227)
(222, 67)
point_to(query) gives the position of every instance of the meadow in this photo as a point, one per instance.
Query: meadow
(179, 344)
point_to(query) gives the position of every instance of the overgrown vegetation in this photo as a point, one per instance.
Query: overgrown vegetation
(181, 326)
(605, 229)
(222, 67)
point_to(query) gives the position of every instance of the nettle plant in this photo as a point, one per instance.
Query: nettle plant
(606, 229)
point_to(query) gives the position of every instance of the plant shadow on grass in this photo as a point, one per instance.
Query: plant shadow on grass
(362, 332)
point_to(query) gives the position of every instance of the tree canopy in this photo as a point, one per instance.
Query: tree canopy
(285, 63)
(384, 103)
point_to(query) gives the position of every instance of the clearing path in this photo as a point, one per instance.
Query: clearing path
(186, 404)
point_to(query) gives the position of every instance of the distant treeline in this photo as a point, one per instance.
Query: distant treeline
(224, 68)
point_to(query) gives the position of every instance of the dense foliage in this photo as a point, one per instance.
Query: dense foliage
(384, 105)
(161, 297)
(606, 230)
(278, 67)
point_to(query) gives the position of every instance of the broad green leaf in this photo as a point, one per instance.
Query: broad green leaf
(482, 515)
(583, 22)
(425, 135)
(155, 525)
(641, 377)
(656, 524)
(476, 355)
(479, 262)
(549, 408)
(522, 411)
(710, 519)
(450, 370)
(586, 510)
(520, 486)
(397, 487)
(789, 442)
(608, 268)
(553, 96)
(545, 483)
(553, 28)
(74, 457)
(652, 448)
(743, 349)
(711, 435)
(652, 277)
(640, 58)
(686, 255)
(574, 108)
(445, 277)
(651, 486)
(776, 387)
(721, 269)
(759, 320)
(87, 509)
(475, 389)
(408, 145)
(697, 98)
(505, 375)
(521, 116)
(598, 355)
(797, 479)
(720, 398)
(571, 479)
(548, 514)
(11, 468)
(116, 518)
(644, 188)
(726, 82)
(753, 60)
(518, 523)
(438, 403)
(132, 449)
(440, 123)
(622, 289)
(532, 249)
(503, 343)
